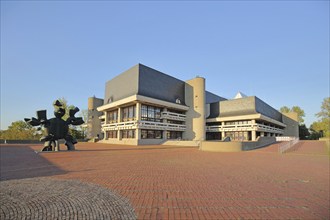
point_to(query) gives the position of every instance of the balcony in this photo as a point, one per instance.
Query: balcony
(244, 127)
(173, 116)
(143, 125)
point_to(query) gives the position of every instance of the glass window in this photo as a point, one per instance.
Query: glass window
(128, 113)
(150, 113)
(128, 133)
(151, 134)
(112, 134)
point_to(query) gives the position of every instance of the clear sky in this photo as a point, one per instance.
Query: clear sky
(275, 50)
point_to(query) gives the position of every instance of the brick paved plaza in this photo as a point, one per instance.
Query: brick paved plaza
(157, 182)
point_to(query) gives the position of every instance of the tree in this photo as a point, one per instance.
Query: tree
(322, 126)
(20, 130)
(285, 109)
(303, 132)
(296, 109)
(325, 109)
(300, 112)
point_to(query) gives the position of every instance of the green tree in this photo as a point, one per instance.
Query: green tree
(325, 109)
(20, 130)
(300, 112)
(296, 109)
(303, 132)
(322, 126)
(285, 109)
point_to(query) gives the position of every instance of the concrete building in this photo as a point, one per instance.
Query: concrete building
(145, 106)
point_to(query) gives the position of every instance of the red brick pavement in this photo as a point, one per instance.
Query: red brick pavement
(185, 183)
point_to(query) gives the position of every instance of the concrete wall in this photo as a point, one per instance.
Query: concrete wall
(234, 107)
(244, 106)
(195, 116)
(122, 141)
(236, 146)
(122, 86)
(94, 123)
(292, 125)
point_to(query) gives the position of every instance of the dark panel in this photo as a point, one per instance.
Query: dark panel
(210, 98)
(122, 86)
(265, 109)
(214, 110)
(155, 84)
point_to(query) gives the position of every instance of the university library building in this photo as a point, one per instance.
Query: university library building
(144, 106)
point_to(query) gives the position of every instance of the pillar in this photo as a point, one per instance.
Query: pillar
(195, 116)
(223, 133)
(119, 120)
(138, 118)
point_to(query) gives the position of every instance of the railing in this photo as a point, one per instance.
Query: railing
(173, 116)
(143, 125)
(285, 138)
(244, 127)
(289, 145)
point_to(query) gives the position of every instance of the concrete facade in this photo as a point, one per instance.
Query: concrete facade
(94, 118)
(145, 106)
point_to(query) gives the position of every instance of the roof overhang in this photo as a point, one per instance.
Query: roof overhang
(246, 117)
(142, 99)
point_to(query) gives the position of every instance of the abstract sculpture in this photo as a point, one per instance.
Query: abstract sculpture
(56, 128)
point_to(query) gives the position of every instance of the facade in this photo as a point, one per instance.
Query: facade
(145, 106)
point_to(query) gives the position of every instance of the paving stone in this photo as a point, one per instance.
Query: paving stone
(185, 183)
(47, 198)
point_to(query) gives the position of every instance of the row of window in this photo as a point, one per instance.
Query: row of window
(151, 134)
(146, 134)
(150, 113)
(128, 114)
(124, 134)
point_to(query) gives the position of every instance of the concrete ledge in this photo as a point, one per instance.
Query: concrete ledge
(219, 146)
(181, 143)
(236, 146)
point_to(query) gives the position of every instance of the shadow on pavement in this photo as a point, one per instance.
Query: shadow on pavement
(21, 161)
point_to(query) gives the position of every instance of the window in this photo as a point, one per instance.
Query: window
(128, 134)
(150, 113)
(128, 113)
(113, 116)
(174, 134)
(112, 134)
(151, 134)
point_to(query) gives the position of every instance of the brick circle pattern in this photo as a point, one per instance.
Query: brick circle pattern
(47, 198)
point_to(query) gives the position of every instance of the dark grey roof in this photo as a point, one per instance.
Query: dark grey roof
(243, 106)
(211, 97)
(143, 80)
(158, 85)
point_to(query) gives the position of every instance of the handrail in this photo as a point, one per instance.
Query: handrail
(144, 124)
(287, 146)
(249, 127)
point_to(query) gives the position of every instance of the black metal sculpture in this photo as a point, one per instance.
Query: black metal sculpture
(56, 128)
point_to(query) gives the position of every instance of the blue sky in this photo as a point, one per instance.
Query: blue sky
(275, 50)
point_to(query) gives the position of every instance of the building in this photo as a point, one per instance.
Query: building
(144, 106)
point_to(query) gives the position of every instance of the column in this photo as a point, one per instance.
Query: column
(253, 132)
(119, 120)
(106, 117)
(164, 121)
(138, 118)
(222, 132)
